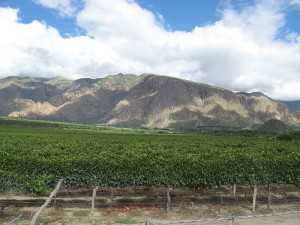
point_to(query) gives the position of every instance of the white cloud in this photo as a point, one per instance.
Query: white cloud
(39, 50)
(295, 2)
(241, 51)
(65, 7)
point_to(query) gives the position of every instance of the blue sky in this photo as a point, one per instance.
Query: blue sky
(181, 15)
(243, 45)
(30, 11)
(178, 15)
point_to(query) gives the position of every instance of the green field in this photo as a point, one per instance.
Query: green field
(34, 155)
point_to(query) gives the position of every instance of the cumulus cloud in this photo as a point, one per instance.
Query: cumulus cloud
(65, 7)
(39, 50)
(241, 51)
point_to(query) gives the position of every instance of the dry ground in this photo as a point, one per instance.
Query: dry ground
(112, 216)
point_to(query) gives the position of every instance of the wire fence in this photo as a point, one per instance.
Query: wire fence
(232, 219)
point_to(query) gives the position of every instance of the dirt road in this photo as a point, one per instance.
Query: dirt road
(276, 220)
(205, 215)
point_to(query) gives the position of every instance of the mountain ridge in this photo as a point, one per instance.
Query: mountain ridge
(146, 100)
(293, 105)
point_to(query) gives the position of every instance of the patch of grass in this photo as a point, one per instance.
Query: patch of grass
(127, 220)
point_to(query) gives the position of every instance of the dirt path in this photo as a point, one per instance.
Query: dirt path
(276, 220)
(291, 219)
(137, 215)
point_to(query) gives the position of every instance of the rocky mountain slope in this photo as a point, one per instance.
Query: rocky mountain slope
(137, 101)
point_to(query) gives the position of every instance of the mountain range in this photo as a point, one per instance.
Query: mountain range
(147, 100)
(294, 106)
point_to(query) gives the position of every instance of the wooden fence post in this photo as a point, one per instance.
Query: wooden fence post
(93, 199)
(254, 198)
(234, 191)
(53, 193)
(269, 196)
(168, 207)
(54, 201)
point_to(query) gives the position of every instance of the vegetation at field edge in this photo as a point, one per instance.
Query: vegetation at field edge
(33, 158)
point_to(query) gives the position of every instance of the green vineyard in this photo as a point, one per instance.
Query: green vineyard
(32, 159)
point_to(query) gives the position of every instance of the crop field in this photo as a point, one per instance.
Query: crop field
(34, 157)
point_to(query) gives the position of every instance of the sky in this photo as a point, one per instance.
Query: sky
(242, 45)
